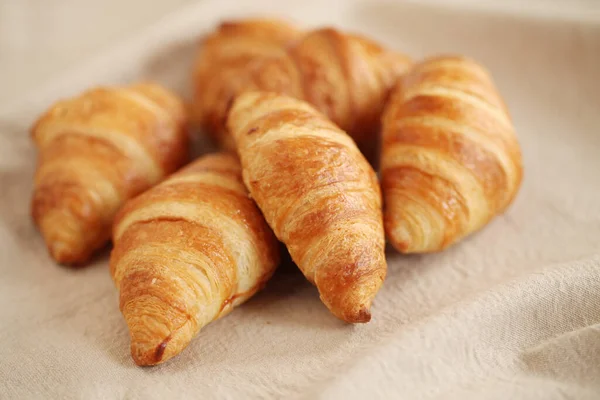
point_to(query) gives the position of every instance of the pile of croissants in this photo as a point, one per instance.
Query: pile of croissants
(301, 117)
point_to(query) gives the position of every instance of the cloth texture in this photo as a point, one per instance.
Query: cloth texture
(512, 312)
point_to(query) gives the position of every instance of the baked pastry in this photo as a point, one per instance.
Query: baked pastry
(225, 58)
(450, 159)
(318, 193)
(347, 77)
(96, 151)
(187, 252)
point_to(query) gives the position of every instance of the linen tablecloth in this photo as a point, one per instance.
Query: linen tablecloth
(511, 312)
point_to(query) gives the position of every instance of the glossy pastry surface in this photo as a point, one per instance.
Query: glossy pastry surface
(225, 59)
(345, 76)
(186, 253)
(96, 151)
(450, 158)
(318, 193)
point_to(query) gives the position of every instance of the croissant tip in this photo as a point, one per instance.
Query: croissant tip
(63, 254)
(152, 341)
(352, 304)
(363, 316)
(63, 234)
(400, 237)
(160, 349)
(59, 251)
(145, 356)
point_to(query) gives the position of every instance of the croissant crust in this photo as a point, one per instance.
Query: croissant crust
(96, 151)
(225, 59)
(186, 253)
(345, 76)
(450, 158)
(318, 193)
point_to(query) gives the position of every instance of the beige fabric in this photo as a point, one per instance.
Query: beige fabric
(512, 312)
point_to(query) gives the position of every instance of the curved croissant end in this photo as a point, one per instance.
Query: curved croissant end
(186, 252)
(450, 157)
(96, 151)
(346, 77)
(318, 193)
(226, 57)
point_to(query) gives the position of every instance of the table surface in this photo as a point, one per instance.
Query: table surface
(512, 312)
(39, 40)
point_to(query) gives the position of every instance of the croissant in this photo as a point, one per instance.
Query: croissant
(450, 159)
(185, 253)
(223, 62)
(347, 77)
(95, 152)
(318, 193)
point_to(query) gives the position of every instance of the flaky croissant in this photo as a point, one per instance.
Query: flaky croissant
(223, 62)
(450, 158)
(95, 152)
(318, 193)
(347, 77)
(186, 252)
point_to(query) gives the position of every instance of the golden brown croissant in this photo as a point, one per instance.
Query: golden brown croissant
(450, 158)
(318, 193)
(186, 252)
(96, 151)
(346, 77)
(225, 58)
